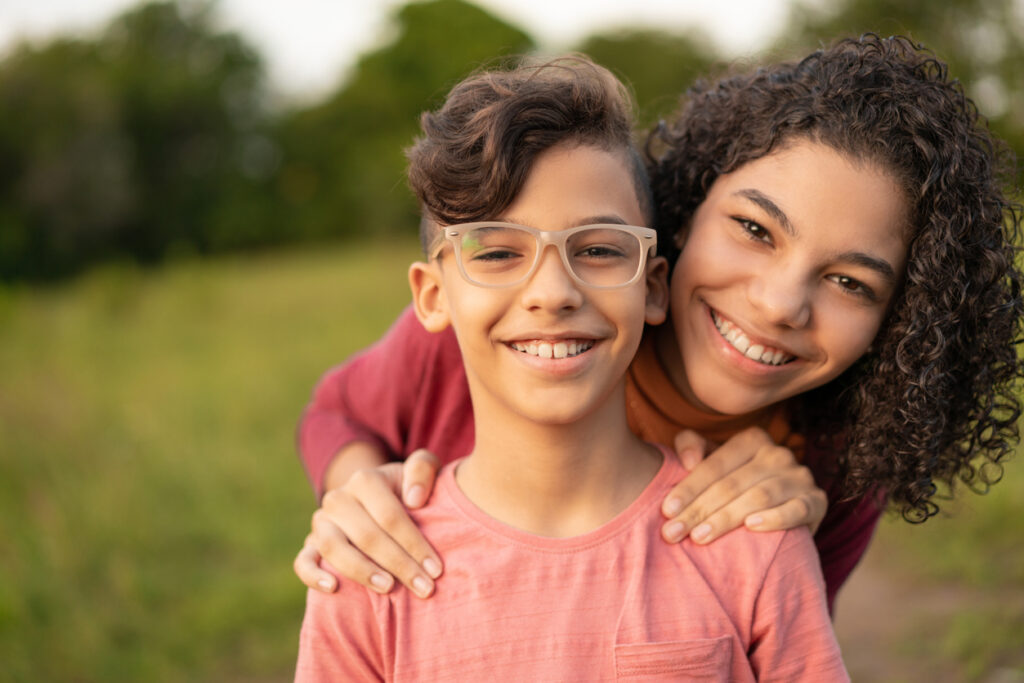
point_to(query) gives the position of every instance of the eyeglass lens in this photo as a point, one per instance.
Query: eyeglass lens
(502, 255)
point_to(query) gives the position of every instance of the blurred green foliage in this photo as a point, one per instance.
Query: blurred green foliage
(155, 138)
(344, 167)
(678, 61)
(127, 144)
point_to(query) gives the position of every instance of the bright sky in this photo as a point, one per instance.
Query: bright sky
(308, 44)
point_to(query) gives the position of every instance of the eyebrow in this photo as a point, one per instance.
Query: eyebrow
(880, 266)
(770, 207)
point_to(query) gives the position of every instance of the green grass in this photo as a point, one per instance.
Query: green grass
(151, 500)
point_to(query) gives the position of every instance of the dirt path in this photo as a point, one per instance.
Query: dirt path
(892, 629)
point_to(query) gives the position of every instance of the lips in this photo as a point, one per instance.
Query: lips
(560, 348)
(738, 339)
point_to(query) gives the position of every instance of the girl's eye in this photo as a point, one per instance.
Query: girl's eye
(754, 230)
(854, 287)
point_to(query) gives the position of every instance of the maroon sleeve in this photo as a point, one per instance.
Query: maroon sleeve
(405, 392)
(845, 532)
(843, 538)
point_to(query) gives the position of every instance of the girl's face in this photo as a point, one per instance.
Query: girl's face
(787, 272)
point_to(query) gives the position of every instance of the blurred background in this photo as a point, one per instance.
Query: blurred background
(195, 224)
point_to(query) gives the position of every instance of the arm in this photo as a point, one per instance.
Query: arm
(791, 635)
(407, 390)
(375, 398)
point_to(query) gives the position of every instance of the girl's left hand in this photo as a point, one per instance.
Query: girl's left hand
(748, 480)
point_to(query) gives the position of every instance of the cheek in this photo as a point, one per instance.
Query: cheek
(472, 309)
(708, 261)
(847, 337)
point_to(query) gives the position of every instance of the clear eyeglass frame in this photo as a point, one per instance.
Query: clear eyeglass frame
(647, 238)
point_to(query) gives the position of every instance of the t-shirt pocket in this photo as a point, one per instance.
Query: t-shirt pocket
(704, 659)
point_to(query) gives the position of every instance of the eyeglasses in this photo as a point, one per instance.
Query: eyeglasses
(492, 254)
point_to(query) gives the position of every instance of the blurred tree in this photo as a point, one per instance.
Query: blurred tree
(658, 66)
(125, 144)
(343, 173)
(982, 40)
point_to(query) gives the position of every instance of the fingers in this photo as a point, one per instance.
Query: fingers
(749, 480)
(307, 568)
(330, 543)
(808, 508)
(735, 453)
(690, 447)
(388, 513)
(418, 475)
(365, 533)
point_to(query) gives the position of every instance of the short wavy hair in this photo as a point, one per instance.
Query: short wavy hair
(476, 150)
(935, 399)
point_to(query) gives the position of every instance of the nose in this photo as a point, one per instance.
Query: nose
(550, 287)
(782, 296)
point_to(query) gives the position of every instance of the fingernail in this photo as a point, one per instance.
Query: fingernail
(415, 495)
(421, 586)
(326, 584)
(701, 532)
(673, 506)
(689, 458)
(382, 582)
(674, 531)
(754, 520)
(432, 567)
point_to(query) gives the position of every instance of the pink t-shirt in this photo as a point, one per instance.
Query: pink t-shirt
(612, 604)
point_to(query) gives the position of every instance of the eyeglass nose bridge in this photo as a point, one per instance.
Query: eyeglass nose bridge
(559, 240)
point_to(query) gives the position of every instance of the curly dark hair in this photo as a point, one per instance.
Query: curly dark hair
(935, 399)
(477, 149)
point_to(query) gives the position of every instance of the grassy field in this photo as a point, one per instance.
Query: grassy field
(151, 500)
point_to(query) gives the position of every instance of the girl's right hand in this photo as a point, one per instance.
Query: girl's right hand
(363, 531)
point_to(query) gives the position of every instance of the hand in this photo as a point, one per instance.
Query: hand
(363, 531)
(749, 480)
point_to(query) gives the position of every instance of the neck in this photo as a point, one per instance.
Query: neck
(666, 348)
(556, 480)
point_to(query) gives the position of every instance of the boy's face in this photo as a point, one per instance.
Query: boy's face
(507, 334)
(787, 272)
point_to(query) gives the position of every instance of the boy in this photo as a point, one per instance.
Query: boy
(549, 527)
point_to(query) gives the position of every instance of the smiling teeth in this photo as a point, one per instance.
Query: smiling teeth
(740, 342)
(559, 349)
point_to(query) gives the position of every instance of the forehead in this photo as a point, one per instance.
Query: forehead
(568, 185)
(823, 193)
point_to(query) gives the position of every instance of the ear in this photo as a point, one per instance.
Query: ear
(428, 299)
(656, 307)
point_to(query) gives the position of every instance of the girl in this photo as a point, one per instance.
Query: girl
(884, 359)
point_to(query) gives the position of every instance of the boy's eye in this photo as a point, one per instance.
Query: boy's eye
(599, 252)
(495, 254)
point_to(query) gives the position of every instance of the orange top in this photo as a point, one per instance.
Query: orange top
(657, 411)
